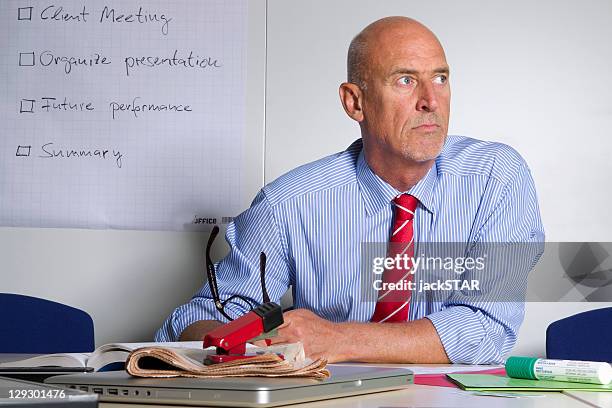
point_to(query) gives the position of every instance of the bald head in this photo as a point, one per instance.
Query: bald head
(377, 34)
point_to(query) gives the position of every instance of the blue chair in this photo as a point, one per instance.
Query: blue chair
(585, 336)
(39, 326)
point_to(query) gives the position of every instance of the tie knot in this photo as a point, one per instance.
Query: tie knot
(405, 204)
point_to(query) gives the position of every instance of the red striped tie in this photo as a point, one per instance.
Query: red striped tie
(393, 305)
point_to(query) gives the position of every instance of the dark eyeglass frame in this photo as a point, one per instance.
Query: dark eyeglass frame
(212, 279)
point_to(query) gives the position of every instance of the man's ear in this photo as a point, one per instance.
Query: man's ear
(352, 99)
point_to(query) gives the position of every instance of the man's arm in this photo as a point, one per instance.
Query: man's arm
(411, 342)
(197, 330)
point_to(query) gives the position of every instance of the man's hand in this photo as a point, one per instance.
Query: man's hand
(320, 337)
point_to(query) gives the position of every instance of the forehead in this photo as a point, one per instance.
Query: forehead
(404, 49)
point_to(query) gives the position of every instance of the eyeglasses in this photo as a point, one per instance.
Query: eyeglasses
(212, 280)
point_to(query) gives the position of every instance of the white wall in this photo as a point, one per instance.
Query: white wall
(531, 74)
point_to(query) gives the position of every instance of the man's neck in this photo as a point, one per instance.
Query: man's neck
(400, 173)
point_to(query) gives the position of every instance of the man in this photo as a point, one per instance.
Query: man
(312, 222)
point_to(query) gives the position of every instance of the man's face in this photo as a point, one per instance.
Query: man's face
(406, 100)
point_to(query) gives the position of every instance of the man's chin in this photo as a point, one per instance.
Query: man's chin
(422, 158)
(424, 152)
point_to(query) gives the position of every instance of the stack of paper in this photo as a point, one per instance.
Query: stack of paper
(175, 362)
(487, 382)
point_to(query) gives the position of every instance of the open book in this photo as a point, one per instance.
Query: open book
(285, 360)
(105, 358)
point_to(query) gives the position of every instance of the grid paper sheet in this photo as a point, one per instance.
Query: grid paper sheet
(122, 114)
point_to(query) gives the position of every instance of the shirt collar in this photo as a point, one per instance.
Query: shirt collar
(377, 194)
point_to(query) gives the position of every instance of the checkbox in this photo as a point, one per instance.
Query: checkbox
(27, 106)
(23, 151)
(26, 59)
(24, 13)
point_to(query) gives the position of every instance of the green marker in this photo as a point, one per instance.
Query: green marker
(591, 372)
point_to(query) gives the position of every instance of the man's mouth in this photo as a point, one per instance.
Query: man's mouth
(427, 127)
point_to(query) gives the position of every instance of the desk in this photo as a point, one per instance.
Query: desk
(593, 399)
(416, 396)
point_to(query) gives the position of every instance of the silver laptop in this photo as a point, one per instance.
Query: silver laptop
(345, 380)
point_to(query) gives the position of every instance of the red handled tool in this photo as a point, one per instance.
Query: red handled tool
(231, 338)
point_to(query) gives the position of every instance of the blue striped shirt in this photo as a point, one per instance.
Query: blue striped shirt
(312, 222)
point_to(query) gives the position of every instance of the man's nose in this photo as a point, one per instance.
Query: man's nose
(427, 101)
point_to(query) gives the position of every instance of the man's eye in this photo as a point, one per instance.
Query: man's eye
(405, 80)
(441, 79)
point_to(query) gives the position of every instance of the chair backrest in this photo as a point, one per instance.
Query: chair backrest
(585, 336)
(34, 325)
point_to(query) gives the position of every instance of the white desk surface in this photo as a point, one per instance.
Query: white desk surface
(593, 399)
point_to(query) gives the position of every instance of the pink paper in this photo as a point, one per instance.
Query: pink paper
(441, 380)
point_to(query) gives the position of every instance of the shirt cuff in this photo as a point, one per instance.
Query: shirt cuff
(464, 336)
